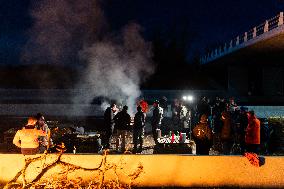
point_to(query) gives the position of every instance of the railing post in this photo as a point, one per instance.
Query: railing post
(238, 40)
(246, 37)
(265, 29)
(280, 21)
(254, 32)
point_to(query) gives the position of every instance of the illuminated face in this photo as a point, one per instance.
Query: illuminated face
(41, 121)
(114, 108)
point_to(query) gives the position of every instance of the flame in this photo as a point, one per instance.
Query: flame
(144, 105)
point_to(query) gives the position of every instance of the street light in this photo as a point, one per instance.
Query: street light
(188, 98)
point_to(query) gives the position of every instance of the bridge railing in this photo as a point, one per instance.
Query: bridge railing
(251, 34)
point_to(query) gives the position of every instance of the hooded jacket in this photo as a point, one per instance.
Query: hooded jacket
(28, 138)
(253, 131)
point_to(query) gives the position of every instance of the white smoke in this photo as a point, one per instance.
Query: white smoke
(116, 70)
(72, 31)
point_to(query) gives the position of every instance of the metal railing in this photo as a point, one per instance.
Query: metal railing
(251, 34)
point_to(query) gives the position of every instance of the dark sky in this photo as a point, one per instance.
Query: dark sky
(212, 21)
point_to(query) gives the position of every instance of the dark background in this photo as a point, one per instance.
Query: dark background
(180, 31)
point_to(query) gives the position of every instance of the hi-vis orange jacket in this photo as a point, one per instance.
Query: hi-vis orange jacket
(253, 131)
(28, 138)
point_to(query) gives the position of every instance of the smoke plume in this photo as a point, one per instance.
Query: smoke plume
(71, 31)
(60, 29)
(115, 69)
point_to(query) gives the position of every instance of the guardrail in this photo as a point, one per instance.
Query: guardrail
(268, 25)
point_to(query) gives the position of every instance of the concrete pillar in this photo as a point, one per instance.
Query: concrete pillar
(237, 80)
(280, 21)
(254, 32)
(265, 29)
(238, 40)
(246, 37)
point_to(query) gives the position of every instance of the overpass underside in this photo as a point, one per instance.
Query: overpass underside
(254, 71)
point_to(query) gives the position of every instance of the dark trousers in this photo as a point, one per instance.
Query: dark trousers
(202, 147)
(252, 148)
(138, 135)
(106, 142)
(227, 146)
(154, 131)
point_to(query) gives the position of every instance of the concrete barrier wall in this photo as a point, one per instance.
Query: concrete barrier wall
(164, 170)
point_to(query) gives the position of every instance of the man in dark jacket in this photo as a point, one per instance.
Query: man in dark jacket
(243, 119)
(156, 119)
(138, 129)
(109, 124)
(122, 125)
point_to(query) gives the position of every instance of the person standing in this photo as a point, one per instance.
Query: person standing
(202, 107)
(226, 132)
(138, 129)
(202, 135)
(156, 119)
(44, 141)
(108, 125)
(232, 105)
(252, 137)
(184, 119)
(122, 125)
(243, 119)
(27, 137)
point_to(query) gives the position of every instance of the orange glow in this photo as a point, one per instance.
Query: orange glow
(163, 170)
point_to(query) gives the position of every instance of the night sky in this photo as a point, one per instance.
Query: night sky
(209, 21)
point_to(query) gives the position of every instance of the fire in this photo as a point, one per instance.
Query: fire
(144, 105)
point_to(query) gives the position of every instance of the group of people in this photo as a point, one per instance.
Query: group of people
(227, 129)
(34, 137)
(121, 123)
(220, 126)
